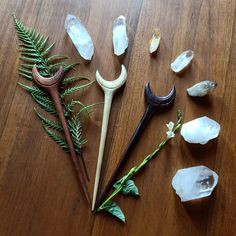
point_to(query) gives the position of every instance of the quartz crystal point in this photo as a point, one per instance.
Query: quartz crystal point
(120, 39)
(182, 61)
(202, 88)
(155, 41)
(194, 182)
(79, 36)
(200, 130)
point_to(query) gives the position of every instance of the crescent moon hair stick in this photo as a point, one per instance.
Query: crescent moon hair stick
(109, 88)
(52, 86)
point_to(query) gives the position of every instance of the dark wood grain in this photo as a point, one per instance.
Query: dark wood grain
(39, 192)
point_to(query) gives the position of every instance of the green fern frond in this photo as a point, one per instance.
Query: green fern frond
(45, 102)
(70, 66)
(33, 44)
(68, 80)
(76, 133)
(55, 57)
(49, 123)
(85, 110)
(75, 88)
(32, 89)
(57, 138)
(33, 50)
(25, 74)
(88, 109)
(71, 105)
(47, 50)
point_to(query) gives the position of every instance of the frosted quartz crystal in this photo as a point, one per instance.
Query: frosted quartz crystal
(194, 182)
(200, 130)
(182, 61)
(79, 36)
(120, 39)
(202, 88)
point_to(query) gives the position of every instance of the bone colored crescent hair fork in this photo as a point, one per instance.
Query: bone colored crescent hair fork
(109, 88)
(154, 103)
(52, 85)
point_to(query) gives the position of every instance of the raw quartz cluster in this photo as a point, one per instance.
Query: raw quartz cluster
(200, 130)
(194, 182)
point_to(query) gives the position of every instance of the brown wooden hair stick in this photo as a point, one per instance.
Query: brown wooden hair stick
(51, 85)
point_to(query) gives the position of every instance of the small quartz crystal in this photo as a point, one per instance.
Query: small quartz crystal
(200, 130)
(202, 88)
(79, 36)
(120, 39)
(182, 61)
(155, 41)
(194, 182)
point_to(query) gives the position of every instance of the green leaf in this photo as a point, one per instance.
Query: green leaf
(115, 210)
(128, 187)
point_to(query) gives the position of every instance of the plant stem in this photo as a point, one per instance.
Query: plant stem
(145, 161)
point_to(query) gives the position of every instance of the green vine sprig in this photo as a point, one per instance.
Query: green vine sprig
(126, 185)
(34, 50)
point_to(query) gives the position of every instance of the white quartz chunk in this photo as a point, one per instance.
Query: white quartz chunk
(182, 61)
(194, 182)
(79, 36)
(120, 39)
(202, 88)
(200, 130)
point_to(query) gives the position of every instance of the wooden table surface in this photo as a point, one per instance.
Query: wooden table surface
(39, 192)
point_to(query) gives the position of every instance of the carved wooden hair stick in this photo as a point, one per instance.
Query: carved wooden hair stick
(109, 88)
(52, 86)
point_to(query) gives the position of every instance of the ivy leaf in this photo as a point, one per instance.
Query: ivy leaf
(112, 208)
(128, 188)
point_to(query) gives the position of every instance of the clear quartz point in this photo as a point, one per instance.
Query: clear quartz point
(120, 39)
(194, 182)
(182, 61)
(200, 130)
(79, 36)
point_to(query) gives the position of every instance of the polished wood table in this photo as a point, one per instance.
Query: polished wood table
(39, 192)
